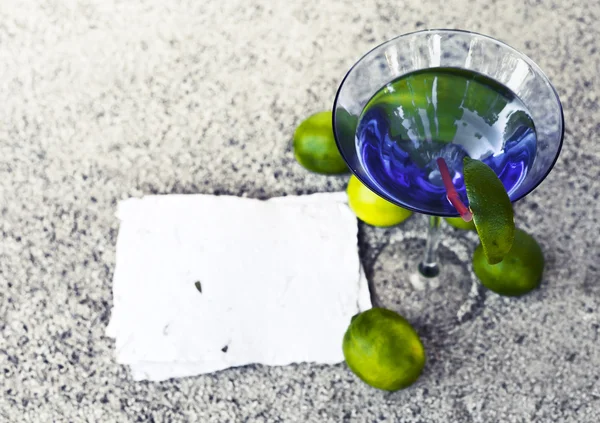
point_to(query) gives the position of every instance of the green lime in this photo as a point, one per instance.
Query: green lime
(492, 209)
(383, 349)
(371, 208)
(345, 124)
(314, 145)
(519, 272)
(459, 223)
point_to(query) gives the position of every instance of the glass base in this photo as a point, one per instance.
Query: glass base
(430, 302)
(429, 270)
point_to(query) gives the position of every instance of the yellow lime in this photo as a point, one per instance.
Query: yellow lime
(383, 349)
(371, 208)
(492, 209)
(314, 145)
(459, 223)
(519, 272)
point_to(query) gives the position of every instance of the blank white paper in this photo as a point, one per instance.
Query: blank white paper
(280, 282)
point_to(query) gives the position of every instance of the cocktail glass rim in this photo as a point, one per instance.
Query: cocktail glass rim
(442, 30)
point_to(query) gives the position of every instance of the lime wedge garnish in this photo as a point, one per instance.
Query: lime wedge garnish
(491, 208)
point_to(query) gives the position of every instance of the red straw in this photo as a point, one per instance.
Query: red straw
(451, 193)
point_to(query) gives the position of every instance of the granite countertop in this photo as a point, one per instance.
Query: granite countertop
(101, 101)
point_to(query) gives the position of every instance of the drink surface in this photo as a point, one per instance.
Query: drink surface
(442, 112)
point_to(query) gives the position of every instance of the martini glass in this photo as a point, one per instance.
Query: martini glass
(395, 154)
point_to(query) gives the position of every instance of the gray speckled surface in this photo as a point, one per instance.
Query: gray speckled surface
(103, 100)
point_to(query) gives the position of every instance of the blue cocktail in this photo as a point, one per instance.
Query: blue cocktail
(445, 94)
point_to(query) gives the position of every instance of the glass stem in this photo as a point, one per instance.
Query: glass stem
(429, 267)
